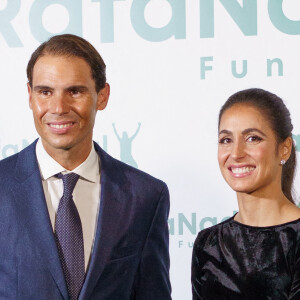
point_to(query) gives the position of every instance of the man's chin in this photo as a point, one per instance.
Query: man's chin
(58, 145)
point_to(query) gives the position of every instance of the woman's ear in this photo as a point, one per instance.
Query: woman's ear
(286, 148)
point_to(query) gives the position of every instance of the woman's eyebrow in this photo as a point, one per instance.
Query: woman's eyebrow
(225, 131)
(248, 130)
(245, 131)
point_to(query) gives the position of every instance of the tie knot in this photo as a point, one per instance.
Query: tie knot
(69, 181)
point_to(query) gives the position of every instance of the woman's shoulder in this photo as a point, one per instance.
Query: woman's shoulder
(208, 235)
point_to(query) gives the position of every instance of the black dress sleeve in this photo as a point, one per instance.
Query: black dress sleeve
(295, 289)
(197, 263)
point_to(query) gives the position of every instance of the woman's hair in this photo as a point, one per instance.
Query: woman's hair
(275, 111)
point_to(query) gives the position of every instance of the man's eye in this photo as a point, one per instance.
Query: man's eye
(225, 140)
(74, 92)
(45, 92)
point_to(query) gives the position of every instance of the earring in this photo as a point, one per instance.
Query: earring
(282, 162)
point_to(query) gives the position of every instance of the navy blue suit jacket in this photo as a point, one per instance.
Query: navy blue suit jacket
(130, 258)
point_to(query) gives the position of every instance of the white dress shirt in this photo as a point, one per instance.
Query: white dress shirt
(86, 194)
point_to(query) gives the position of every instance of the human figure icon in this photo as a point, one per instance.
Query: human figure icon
(297, 140)
(126, 145)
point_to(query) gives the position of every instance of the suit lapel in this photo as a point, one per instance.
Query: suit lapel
(33, 209)
(110, 209)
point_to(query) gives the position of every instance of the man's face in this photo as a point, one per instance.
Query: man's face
(64, 102)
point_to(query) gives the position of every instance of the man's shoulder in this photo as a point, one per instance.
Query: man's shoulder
(7, 172)
(121, 169)
(9, 165)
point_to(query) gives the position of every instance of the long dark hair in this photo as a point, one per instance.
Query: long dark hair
(279, 118)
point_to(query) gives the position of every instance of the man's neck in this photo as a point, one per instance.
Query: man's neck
(69, 158)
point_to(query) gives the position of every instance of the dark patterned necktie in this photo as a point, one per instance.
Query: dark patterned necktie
(69, 238)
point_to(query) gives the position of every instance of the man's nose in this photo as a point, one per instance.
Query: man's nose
(59, 104)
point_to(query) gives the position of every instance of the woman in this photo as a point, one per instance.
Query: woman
(256, 253)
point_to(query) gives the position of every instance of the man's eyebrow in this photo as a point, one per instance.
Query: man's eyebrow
(77, 87)
(41, 87)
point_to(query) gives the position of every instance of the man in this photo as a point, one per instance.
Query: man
(76, 223)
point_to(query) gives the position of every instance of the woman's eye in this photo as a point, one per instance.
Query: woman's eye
(225, 140)
(254, 138)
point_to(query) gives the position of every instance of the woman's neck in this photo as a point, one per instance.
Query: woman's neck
(265, 209)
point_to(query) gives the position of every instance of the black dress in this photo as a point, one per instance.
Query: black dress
(236, 261)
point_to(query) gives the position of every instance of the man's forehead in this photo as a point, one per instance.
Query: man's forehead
(61, 69)
(49, 58)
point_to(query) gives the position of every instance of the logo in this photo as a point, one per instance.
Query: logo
(244, 15)
(182, 227)
(10, 149)
(126, 145)
(297, 141)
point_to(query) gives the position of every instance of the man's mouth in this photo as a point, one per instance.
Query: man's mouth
(59, 126)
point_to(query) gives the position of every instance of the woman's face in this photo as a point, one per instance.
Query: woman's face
(248, 154)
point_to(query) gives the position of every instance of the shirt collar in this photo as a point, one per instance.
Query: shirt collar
(89, 169)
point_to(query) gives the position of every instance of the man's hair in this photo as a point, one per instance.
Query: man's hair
(71, 45)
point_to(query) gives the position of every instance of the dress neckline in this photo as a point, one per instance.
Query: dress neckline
(263, 227)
